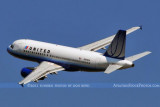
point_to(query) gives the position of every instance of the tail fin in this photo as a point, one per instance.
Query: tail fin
(117, 46)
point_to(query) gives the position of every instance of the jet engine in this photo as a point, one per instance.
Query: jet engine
(26, 71)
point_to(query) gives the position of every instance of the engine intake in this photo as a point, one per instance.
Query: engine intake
(26, 71)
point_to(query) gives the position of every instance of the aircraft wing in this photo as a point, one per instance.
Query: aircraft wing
(106, 41)
(42, 70)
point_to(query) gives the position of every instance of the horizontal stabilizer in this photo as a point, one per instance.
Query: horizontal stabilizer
(138, 56)
(112, 68)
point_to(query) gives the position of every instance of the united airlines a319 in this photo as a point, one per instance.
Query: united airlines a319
(53, 58)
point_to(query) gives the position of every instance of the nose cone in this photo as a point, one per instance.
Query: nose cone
(8, 49)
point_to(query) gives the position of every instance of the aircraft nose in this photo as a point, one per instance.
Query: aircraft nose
(8, 49)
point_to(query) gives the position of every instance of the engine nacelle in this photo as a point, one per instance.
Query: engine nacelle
(26, 71)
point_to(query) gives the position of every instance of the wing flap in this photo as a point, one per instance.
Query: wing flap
(50, 72)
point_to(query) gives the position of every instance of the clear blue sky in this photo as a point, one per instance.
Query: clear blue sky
(76, 23)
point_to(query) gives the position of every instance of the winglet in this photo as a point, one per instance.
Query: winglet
(141, 27)
(22, 85)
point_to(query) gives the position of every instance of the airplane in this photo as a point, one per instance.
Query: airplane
(53, 58)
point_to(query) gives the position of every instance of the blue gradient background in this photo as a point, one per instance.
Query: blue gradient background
(76, 23)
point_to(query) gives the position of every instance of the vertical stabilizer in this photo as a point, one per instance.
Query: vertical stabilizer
(117, 47)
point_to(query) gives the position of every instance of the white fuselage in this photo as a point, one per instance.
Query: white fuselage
(72, 59)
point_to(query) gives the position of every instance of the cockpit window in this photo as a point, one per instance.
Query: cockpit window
(12, 46)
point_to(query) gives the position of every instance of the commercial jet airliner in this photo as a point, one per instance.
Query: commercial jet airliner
(53, 58)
